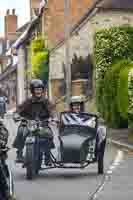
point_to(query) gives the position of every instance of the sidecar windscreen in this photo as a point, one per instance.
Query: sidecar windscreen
(79, 119)
(73, 122)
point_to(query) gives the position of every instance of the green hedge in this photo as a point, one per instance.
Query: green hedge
(113, 54)
(112, 45)
(115, 94)
(130, 95)
(39, 58)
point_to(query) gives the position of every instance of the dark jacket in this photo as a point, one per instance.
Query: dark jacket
(34, 108)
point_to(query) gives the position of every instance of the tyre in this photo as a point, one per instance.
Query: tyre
(38, 165)
(101, 158)
(30, 163)
(100, 164)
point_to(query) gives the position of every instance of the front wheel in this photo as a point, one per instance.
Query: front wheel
(101, 158)
(38, 164)
(100, 164)
(30, 163)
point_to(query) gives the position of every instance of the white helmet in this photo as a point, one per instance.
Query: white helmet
(77, 99)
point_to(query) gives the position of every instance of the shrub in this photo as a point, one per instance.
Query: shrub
(130, 95)
(113, 55)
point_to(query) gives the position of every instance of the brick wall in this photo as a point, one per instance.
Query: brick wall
(53, 19)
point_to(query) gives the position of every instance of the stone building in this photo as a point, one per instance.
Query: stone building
(100, 14)
(21, 49)
(8, 64)
(85, 18)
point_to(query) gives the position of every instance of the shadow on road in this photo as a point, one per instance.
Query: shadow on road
(56, 174)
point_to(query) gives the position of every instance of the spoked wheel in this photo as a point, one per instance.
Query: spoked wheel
(30, 162)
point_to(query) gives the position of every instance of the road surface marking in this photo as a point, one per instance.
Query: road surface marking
(117, 161)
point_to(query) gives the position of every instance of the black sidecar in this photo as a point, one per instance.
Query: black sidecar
(82, 139)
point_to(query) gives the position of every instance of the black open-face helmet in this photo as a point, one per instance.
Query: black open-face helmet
(36, 83)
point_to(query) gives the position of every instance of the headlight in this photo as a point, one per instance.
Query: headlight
(30, 140)
(32, 125)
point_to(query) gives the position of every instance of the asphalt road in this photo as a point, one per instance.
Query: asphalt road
(57, 184)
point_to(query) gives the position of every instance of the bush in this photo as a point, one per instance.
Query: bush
(112, 45)
(130, 95)
(115, 94)
(113, 55)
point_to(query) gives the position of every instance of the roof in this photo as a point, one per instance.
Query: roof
(25, 35)
(22, 28)
(30, 27)
(116, 4)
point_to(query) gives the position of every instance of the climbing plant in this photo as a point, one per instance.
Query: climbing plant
(39, 58)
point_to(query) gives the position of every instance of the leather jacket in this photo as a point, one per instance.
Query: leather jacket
(33, 108)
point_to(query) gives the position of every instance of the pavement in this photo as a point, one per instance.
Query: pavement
(118, 183)
(120, 137)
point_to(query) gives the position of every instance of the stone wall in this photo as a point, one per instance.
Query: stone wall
(82, 40)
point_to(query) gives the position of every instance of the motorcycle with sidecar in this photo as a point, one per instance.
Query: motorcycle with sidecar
(81, 142)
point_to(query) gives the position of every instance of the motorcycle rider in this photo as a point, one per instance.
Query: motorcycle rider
(37, 106)
(77, 104)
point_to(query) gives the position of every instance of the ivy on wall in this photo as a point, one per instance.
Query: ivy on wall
(39, 58)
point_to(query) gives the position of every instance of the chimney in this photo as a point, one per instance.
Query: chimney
(13, 11)
(11, 21)
(7, 12)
